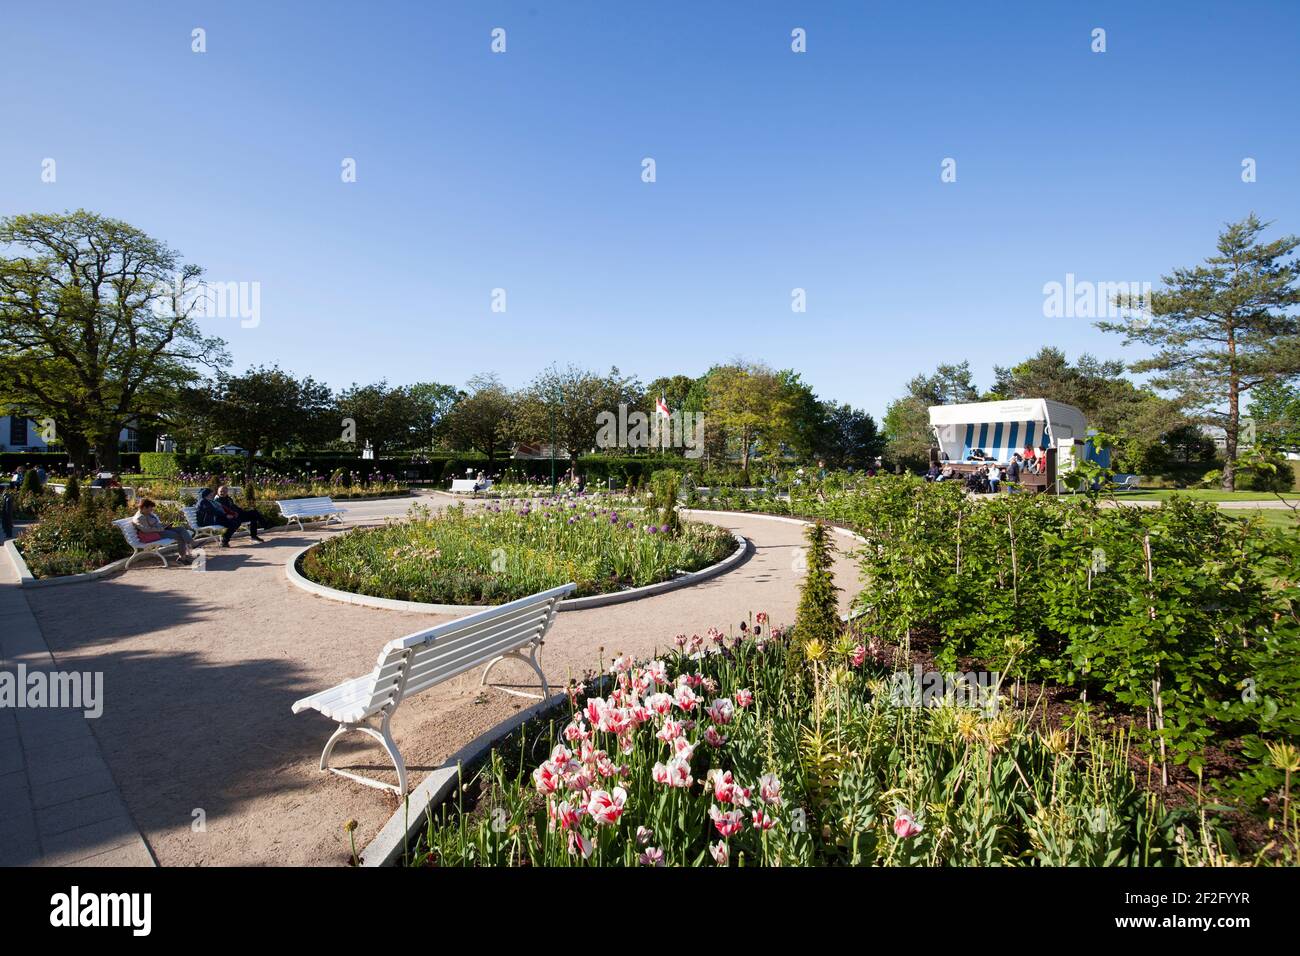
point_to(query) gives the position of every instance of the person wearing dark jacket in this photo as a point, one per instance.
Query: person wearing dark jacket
(228, 514)
(208, 514)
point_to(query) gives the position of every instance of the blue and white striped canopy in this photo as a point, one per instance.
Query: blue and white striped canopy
(1000, 440)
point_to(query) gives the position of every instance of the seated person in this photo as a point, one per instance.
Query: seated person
(149, 527)
(222, 509)
(932, 474)
(480, 482)
(994, 475)
(947, 473)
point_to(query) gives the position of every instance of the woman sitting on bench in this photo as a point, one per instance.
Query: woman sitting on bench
(149, 527)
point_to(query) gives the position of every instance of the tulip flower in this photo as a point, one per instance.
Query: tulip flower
(905, 824)
(727, 822)
(605, 807)
(721, 711)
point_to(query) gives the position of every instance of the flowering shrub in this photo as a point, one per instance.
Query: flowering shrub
(733, 757)
(73, 538)
(510, 550)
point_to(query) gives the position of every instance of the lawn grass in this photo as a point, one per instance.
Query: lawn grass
(1281, 518)
(1203, 494)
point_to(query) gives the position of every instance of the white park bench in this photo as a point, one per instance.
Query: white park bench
(139, 547)
(468, 485)
(413, 664)
(62, 489)
(201, 531)
(295, 509)
(1126, 482)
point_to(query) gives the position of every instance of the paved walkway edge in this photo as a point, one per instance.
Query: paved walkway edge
(59, 802)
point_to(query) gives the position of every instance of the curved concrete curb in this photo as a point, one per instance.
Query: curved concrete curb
(573, 604)
(25, 579)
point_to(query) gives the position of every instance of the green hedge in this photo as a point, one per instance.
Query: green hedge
(162, 464)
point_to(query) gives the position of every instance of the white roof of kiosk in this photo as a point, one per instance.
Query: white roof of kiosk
(1002, 428)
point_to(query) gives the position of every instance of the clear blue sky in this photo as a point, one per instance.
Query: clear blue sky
(775, 170)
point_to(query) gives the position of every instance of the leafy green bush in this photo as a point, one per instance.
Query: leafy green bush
(72, 539)
(75, 537)
(1269, 474)
(161, 464)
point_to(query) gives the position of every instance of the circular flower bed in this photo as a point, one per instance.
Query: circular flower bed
(502, 552)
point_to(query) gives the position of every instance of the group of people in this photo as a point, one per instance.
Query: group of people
(989, 477)
(214, 510)
(20, 475)
(102, 479)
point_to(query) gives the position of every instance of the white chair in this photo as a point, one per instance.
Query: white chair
(413, 664)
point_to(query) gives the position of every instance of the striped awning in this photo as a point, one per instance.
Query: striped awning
(1000, 440)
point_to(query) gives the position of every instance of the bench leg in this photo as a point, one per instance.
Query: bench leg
(531, 660)
(384, 735)
(138, 552)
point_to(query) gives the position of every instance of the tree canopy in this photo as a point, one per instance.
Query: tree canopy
(1222, 328)
(97, 326)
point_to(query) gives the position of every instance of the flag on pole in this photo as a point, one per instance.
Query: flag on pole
(661, 407)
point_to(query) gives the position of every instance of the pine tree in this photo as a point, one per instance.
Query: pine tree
(818, 615)
(1222, 328)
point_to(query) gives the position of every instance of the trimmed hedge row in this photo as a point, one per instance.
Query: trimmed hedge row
(433, 467)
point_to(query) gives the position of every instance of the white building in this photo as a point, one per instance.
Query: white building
(20, 434)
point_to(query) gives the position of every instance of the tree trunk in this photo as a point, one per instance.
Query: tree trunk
(107, 455)
(1234, 417)
(78, 451)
